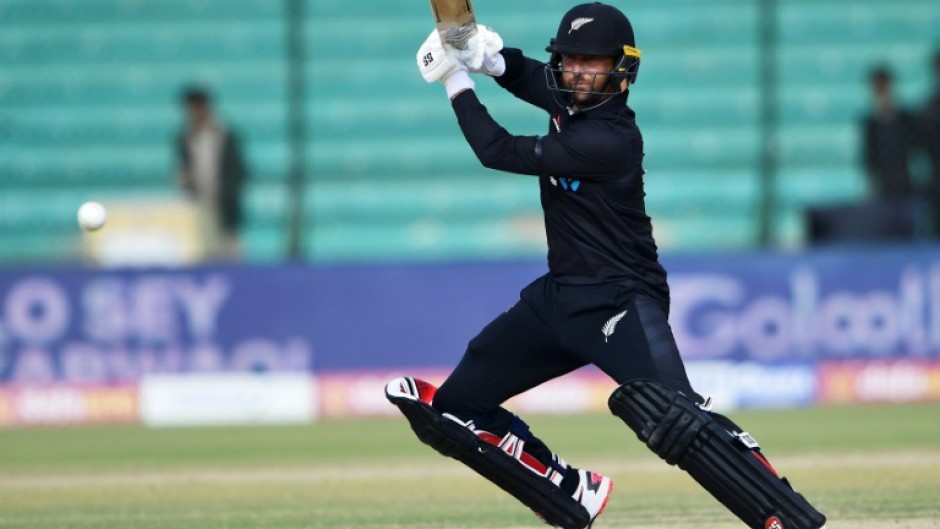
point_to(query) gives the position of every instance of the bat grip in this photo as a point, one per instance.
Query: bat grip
(459, 37)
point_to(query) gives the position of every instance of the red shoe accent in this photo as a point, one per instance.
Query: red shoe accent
(773, 523)
(426, 391)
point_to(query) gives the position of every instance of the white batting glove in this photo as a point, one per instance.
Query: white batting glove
(472, 54)
(437, 63)
(488, 43)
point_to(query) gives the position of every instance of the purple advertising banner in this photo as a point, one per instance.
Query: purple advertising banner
(833, 304)
(92, 326)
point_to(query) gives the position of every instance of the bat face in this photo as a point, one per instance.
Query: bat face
(455, 20)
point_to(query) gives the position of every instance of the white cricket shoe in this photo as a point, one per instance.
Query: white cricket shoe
(410, 388)
(593, 492)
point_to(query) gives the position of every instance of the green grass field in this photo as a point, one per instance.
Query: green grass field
(866, 467)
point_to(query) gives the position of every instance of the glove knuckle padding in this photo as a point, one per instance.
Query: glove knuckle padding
(455, 440)
(677, 430)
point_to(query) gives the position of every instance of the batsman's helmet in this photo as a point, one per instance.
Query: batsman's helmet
(595, 29)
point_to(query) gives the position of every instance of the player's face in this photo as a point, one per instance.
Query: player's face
(585, 73)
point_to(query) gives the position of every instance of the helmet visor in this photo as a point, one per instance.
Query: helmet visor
(581, 82)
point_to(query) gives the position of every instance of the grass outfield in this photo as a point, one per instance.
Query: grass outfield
(868, 467)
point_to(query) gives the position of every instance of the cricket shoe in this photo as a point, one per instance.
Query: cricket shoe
(410, 388)
(592, 493)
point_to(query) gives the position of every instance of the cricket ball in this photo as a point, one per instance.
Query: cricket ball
(92, 216)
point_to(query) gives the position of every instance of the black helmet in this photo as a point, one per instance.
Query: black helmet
(597, 29)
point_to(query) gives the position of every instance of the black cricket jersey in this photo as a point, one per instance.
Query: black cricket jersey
(590, 175)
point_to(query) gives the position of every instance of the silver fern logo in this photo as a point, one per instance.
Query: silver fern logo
(578, 23)
(611, 325)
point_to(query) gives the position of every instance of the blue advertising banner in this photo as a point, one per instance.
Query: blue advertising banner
(114, 326)
(110, 326)
(833, 304)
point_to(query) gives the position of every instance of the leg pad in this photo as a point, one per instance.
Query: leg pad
(454, 439)
(683, 434)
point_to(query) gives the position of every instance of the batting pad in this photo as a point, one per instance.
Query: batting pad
(680, 432)
(453, 439)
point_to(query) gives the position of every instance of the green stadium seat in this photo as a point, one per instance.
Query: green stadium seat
(93, 165)
(132, 42)
(681, 192)
(707, 106)
(266, 205)
(818, 185)
(703, 66)
(428, 239)
(732, 147)
(88, 100)
(53, 11)
(264, 243)
(35, 212)
(812, 22)
(28, 249)
(475, 197)
(819, 105)
(138, 85)
(705, 233)
(352, 158)
(686, 25)
(819, 145)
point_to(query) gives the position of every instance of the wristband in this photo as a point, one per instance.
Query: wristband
(458, 82)
(497, 67)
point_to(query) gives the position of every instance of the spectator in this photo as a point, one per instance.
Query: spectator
(211, 173)
(888, 139)
(930, 139)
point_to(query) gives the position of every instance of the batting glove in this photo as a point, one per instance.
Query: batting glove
(437, 63)
(492, 62)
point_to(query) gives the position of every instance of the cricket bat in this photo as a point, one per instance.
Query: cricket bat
(455, 20)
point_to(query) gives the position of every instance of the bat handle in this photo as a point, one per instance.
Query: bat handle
(460, 37)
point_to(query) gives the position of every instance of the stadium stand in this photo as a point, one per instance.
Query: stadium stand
(88, 109)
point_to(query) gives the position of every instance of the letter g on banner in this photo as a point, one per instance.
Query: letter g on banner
(703, 314)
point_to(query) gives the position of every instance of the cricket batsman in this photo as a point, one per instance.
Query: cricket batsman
(604, 300)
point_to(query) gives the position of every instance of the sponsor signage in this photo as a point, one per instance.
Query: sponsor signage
(801, 323)
(832, 305)
(68, 404)
(105, 328)
(879, 381)
(227, 399)
(734, 385)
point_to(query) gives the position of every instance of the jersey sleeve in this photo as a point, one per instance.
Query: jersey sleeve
(525, 79)
(495, 147)
(587, 150)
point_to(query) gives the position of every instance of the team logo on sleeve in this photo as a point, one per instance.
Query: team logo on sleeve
(568, 184)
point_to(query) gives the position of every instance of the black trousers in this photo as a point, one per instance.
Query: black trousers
(553, 330)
